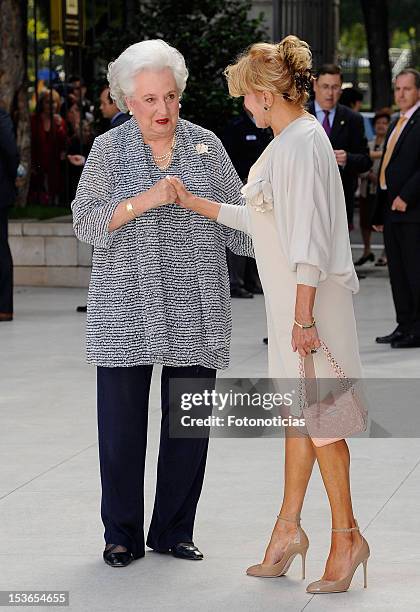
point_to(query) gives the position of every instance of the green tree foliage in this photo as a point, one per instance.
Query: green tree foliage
(404, 27)
(209, 33)
(350, 13)
(353, 41)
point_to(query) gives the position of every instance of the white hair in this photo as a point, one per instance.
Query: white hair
(147, 54)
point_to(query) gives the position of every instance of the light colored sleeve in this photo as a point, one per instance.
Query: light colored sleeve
(236, 217)
(227, 188)
(304, 216)
(94, 203)
(307, 275)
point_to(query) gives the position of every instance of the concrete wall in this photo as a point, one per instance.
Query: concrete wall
(47, 253)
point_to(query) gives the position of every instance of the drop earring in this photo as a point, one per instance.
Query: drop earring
(266, 108)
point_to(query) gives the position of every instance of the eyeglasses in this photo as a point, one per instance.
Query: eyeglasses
(334, 88)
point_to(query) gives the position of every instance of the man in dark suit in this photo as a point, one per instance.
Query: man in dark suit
(398, 210)
(110, 110)
(344, 128)
(9, 161)
(244, 143)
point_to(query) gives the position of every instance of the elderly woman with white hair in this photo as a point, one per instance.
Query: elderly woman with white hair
(159, 294)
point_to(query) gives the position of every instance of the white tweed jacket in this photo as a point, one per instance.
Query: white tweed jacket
(159, 289)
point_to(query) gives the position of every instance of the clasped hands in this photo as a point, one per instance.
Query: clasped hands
(170, 190)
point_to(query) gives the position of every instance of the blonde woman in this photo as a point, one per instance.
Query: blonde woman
(296, 215)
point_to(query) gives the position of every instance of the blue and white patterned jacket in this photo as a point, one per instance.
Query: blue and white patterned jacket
(159, 290)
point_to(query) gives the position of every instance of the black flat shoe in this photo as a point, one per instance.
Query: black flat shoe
(255, 289)
(187, 550)
(265, 340)
(117, 559)
(408, 341)
(393, 337)
(364, 259)
(240, 292)
(81, 309)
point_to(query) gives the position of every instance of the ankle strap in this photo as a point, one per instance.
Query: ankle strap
(347, 529)
(296, 520)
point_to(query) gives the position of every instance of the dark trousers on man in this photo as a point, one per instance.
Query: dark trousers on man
(123, 398)
(402, 244)
(6, 266)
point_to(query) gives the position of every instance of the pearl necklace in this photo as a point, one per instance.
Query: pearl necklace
(168, 156)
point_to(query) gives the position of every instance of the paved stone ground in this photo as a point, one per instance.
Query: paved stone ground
(51, 534)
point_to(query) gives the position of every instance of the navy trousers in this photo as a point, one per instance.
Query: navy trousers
(402, 244)
(123, 399)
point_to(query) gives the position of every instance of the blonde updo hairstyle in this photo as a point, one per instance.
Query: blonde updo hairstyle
(284, 69)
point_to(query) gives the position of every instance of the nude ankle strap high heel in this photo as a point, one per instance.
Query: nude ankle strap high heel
(298, 546)
(339, 586)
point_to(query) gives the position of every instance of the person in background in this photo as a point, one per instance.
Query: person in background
(110, 110)
(353, 98)
(75, 96)
(49, 144)
(9, 161)
(73, 119)
(345, 130)
(244, 143)
(116, 117)
(78, 150)
(398, 210)
(368, 185)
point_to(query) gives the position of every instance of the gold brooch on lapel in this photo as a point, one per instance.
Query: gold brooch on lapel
(342, 122)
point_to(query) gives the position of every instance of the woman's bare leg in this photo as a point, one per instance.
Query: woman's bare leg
(334, 464)
(299, 461)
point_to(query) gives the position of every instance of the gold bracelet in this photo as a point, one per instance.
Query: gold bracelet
(130, 210)
(305, 326)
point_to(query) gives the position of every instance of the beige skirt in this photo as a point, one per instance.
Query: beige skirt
(333, 309)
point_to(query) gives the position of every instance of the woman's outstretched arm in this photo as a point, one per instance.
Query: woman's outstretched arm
(230, 215)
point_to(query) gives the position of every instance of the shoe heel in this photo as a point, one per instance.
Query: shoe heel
(303, 555)
(365, 573)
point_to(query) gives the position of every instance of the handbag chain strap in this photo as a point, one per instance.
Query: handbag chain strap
(346, 384)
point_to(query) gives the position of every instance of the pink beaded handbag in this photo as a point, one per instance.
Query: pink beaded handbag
(340, 412)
